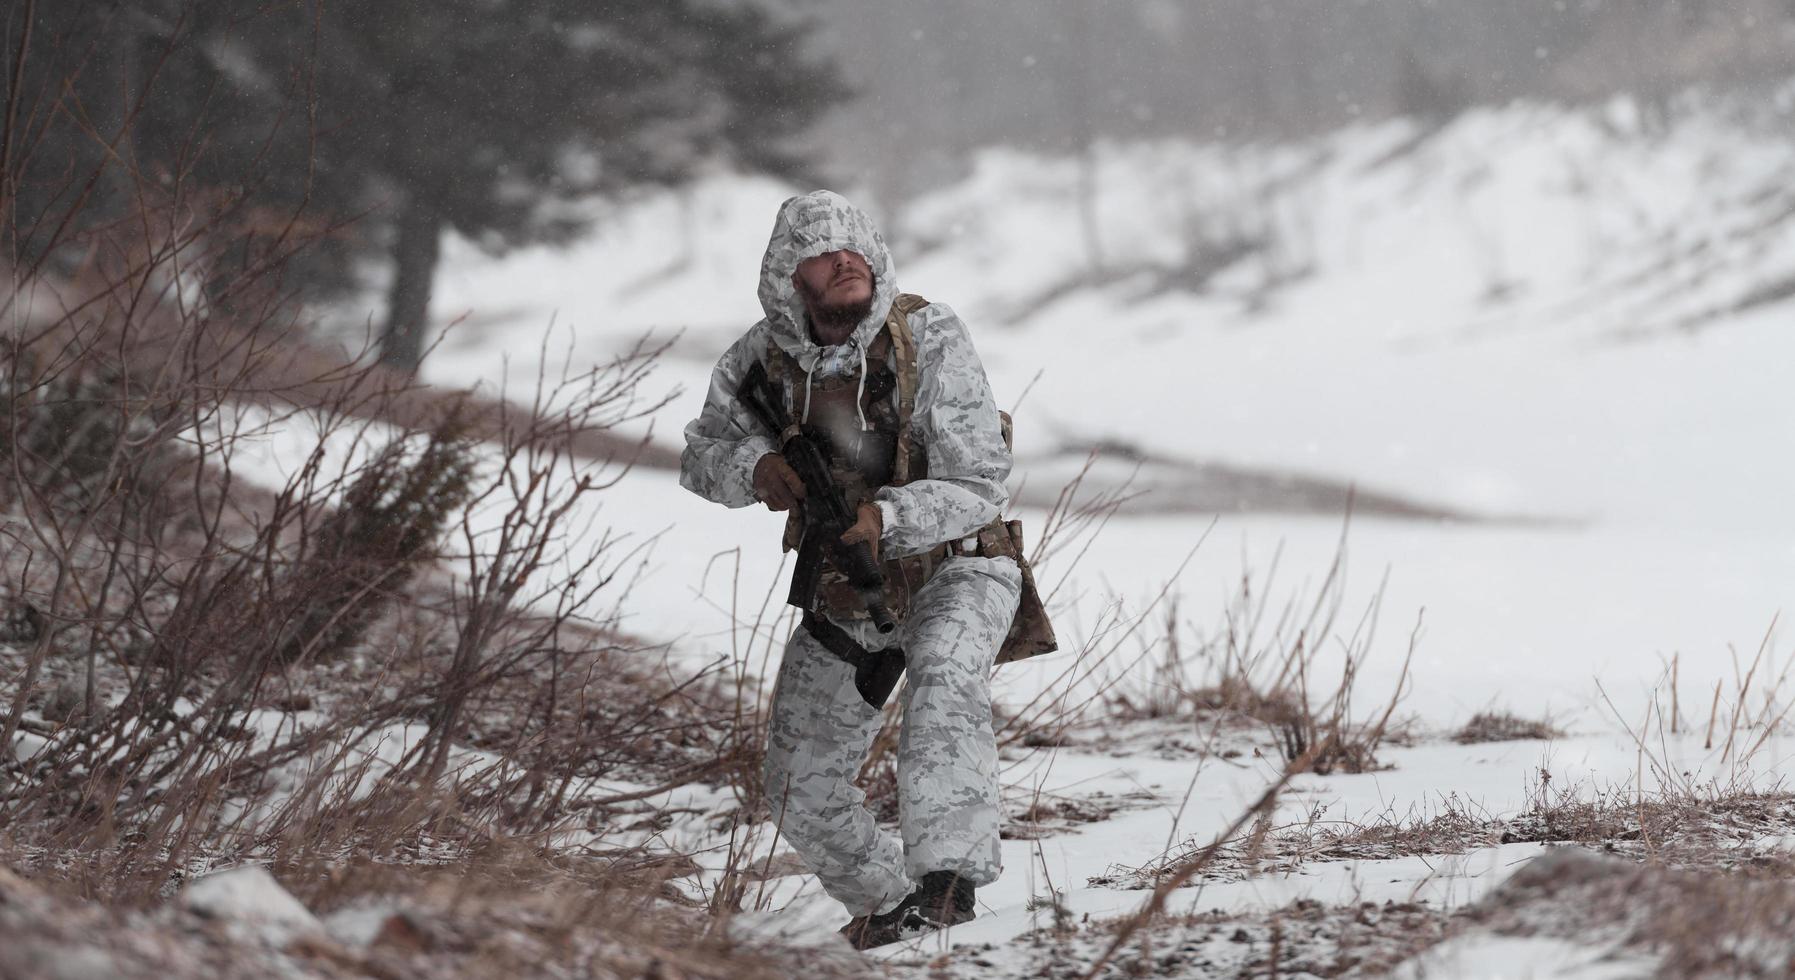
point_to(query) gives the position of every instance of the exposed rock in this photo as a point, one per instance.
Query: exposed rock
(33, 958)
(404, 933)
(249, 895)
(27, 744)
(357, 926)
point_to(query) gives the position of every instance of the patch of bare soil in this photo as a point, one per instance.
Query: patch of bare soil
(1691, 923)
(1161, 484)
(1045, 815)
(1222, 736)
(1266, 848)
(1304, 939)
(1746, 833)
(1196, 734)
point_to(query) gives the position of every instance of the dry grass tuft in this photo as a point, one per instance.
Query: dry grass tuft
(1501, 726)
(1688, 923)
(510, 912)
(1733, 832)
(1291, 671)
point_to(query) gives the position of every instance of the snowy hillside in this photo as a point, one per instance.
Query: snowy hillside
(1533, 313)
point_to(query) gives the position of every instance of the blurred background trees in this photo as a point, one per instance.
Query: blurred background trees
(378, 127)
(369, 130)
(487, 118)
(1048, 74)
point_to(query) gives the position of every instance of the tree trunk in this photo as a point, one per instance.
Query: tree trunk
(1084, 109)
(118, 183)
(418, 246)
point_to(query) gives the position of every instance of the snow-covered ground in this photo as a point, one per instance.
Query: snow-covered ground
(1548, 317)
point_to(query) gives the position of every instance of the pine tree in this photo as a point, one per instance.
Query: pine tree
(396, 120)
(488, 117)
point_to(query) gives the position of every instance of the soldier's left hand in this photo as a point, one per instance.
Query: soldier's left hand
(869, 524)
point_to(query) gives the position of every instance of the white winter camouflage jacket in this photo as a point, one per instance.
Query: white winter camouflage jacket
(955, 417)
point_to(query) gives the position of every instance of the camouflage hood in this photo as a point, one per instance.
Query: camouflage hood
(809, 225)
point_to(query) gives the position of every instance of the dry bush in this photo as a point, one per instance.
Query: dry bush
(1730, 829)
(1761, 682)
(1502, 726)
(382, 534)
(1074, 521)
(1709, 925)
(194, 623)
(69, 425)
(507, 912)
(404, 650)
(1261, 668)
(1456, 826)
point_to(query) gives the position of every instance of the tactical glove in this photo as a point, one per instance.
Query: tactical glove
(868, 525)
(776, 484)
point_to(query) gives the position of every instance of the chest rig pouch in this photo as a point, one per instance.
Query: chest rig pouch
(885, 452)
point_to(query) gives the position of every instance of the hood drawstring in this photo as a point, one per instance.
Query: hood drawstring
(860, 392)
(809, 370)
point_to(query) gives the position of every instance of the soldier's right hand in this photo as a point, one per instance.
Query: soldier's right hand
(776, 484)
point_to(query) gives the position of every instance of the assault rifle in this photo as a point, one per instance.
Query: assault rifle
(827, 517)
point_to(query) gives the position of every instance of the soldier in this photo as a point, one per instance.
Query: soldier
(894, 386)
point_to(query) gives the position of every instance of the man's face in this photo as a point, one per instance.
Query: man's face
(839, 280)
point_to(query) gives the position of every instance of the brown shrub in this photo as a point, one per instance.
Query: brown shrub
(1501, 726)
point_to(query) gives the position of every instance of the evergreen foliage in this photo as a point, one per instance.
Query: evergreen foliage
(371, 128)
(67, 435)
(367, 550)
(491, 117)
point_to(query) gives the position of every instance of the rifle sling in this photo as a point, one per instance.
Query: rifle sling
(875, 674)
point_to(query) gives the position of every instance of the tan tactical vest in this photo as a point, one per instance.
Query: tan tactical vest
(890, 455)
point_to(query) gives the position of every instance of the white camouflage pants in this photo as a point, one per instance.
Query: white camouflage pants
(821, 729)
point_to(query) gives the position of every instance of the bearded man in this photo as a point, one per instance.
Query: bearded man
(892, 384)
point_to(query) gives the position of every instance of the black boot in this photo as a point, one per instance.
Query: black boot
(943, 899)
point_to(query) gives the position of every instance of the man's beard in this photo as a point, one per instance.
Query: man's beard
(836, 320)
